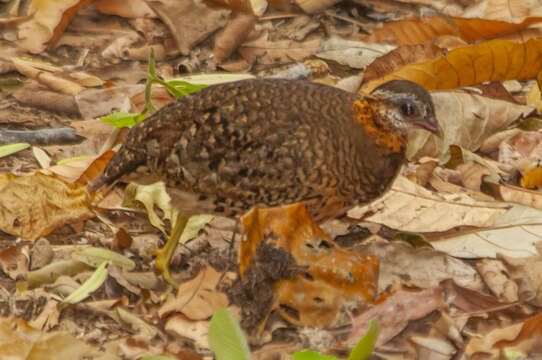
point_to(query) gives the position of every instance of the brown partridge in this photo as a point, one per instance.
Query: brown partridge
(229, 147)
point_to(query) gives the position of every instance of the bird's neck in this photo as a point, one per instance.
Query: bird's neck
(381, 132)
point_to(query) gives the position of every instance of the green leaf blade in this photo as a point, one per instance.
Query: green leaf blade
(226, 337)
(365, 345)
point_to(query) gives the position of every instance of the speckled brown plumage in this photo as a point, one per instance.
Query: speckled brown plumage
(249, 143)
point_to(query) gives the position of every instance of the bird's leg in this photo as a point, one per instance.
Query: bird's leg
(164, 255)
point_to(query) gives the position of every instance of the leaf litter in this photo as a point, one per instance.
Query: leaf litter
(473, 197)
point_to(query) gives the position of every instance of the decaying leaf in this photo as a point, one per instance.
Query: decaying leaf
(285, 238)
(33, 206)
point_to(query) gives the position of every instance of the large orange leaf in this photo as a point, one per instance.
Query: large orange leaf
(418, 31)
(491, 60)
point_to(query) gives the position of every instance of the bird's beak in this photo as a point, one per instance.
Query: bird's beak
(431, 125)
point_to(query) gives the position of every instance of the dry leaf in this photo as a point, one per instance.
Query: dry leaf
(355, 54)
(33, 206)
(513, 234)
(491, 60)
(410, 207)
(180, 16)
(198, 298)
(467, 120)
(127, 9)
(275, 52)
(418, 31)
(401, 264)
(49, 20)
(394, 313)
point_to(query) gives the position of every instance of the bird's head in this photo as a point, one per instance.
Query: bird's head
(407, 104)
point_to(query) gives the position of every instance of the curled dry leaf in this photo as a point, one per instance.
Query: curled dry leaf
(467, 120)
(401, 56)
(234, 34)
(49, 79)
(491, 60)
(498, 279)
(33, 206)
(519, 338)
(410, 207)
(49, 20)
(527, 270)
(419, 31)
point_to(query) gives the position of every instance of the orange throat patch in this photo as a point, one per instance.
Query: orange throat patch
(364, 115)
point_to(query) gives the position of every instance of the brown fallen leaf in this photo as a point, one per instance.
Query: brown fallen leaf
(401, 56)
(14, 261)
(198, 298)
(419, 267)
(20, 338)
(33, 206)
(179, 16)
(49, 20)
(498, 279)
(234, 34)
(275, 52)
(394, 313)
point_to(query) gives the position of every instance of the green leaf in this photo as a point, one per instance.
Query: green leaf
(312, 355)
(226, 337)
(72, 159)
(12, 148)
(93, 282)
(365, 345)
(121, 119)
(94, 256)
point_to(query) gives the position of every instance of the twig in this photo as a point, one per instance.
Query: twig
(58, 136)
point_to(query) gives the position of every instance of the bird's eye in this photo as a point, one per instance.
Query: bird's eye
(408, 109)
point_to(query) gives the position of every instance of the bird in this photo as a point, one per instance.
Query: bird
(269, 142)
